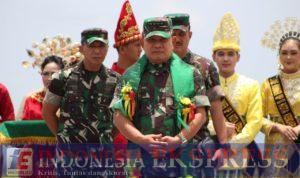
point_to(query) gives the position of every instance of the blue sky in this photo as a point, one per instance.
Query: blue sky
(26, 21)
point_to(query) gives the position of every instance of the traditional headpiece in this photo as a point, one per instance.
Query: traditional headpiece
(280, 31)
(227, 35)
(127, 29)
(59, 45)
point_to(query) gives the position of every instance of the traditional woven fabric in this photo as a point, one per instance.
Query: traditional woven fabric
(26, 132)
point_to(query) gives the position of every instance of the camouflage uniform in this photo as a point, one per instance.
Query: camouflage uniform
(84, 113)
(156, 100)
(158, 90)
(211, 80)
(205, 142)
(209, 73)
(155, 110)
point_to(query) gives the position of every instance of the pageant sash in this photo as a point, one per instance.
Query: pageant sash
(255, 155)
(281, 102)
(288, 117)
(231, 115)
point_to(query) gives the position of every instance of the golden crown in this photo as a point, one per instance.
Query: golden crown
(279, 31)
(59, 45)
(227, 34)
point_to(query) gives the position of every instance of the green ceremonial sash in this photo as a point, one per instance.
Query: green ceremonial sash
(26, 132)
(182, 75)
(281, 102)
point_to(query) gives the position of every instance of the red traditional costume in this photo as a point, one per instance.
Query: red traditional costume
(33, 106)
(127, 31)
(118, 69)
(6, 106)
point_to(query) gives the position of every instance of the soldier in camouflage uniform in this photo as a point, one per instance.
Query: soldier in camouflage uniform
(83, 94)
(158, 80)
(182, 34)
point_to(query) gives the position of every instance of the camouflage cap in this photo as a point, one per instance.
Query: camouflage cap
(89, 36)
(157, 26)
(180, 21)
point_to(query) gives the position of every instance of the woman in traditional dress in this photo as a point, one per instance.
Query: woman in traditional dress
(32, 108)
(53, 55)
(281, 100)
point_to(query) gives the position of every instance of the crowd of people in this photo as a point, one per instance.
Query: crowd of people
(170, 99)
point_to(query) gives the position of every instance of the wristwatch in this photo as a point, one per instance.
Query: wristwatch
(182, 138)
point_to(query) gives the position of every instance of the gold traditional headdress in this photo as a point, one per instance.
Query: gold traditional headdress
(59, 45)
(281, 30)
(227, 35)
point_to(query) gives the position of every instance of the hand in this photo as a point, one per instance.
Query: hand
(218, 157)
(287, 131)
(297, 130)
(153, 145)
(230, 127)
(173, 142)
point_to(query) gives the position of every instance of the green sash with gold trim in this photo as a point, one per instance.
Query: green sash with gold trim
(282, 102)
(26, 132)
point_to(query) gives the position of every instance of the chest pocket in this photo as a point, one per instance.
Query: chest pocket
(144, 101)
(170, 106)
(106, 92)
(72, 88)
(73, 97)
(103, 100)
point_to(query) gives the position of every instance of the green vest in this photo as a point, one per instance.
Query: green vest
(182, 75)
